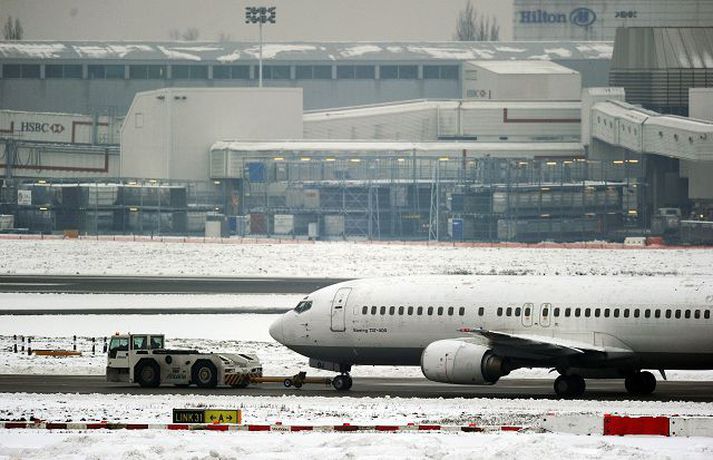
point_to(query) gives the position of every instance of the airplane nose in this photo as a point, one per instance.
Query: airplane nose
(276, 330)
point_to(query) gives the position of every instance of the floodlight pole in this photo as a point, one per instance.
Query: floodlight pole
(260, 15)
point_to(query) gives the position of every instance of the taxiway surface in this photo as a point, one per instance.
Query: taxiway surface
(698, 391)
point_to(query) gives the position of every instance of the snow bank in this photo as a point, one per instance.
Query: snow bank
(167, 444)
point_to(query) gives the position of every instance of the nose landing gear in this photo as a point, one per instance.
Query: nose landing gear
(342, 382)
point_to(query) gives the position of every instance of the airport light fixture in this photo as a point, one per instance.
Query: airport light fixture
(260, 15)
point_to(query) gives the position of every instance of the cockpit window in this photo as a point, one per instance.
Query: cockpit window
(303, 306)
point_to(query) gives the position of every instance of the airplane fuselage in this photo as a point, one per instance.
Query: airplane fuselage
(642, 323)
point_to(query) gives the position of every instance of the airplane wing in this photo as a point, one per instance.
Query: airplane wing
(543, 346)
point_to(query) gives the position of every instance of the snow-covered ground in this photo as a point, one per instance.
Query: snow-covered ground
(319, 410)
(335, 259)
(52, 301)
(241, 445)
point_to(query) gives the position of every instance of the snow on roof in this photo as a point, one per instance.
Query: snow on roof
(508, 149)
(304, 51)
(523, 67)
(433, 104)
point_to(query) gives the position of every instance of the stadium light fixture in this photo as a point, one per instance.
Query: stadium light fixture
(260, 15)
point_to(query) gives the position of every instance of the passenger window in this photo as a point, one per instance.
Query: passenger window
(707, 314)
(508, 311)
(392, 310)
(587, 312)
(626, 313)
(577, 312)
(557, 312)
(518, 311)
(657, 313)
(697, 314)
(647, 313)
(500, 311)
(678, 314)
(410, 311)
(440, 311)
(481, 311)
(364, 310)
(606, 313)
(545, 311)
(668, 314)
(373, 310)
(450, 311)
(430, 311)
(567, 312)
(597, 312)
(616, 313)
(461, 311)
(382, 310)
(419, 311)
(636, 313)
(688, 314)
(401, 311)
(528, 311)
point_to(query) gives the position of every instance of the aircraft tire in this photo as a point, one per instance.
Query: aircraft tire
(640, 383)
(341, 382)
(568, 386)
(648, 382)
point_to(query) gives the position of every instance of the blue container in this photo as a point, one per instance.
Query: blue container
(233, 224)
(256, 172)
(457, 229)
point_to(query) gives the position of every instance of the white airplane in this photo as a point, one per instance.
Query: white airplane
(475, 329)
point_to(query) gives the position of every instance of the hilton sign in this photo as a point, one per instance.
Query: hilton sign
(579, 16)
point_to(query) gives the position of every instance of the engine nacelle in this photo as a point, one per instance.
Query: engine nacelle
(456, 361)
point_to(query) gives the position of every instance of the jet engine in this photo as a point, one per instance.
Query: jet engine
(456, 361)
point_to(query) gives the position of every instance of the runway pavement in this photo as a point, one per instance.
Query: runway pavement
(699, 391)
(160, 284)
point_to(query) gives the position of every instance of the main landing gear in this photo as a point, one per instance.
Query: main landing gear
(342, 382)
(569, 386)
(640, 383)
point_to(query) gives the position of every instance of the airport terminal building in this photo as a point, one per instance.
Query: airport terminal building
(518, 141)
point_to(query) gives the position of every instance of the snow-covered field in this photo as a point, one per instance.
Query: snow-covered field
(249, 332)
(335, 259)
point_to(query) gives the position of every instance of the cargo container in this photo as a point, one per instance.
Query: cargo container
(334, 225)
(283, 224)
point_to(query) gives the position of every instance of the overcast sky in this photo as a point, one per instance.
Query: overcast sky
(298, 20)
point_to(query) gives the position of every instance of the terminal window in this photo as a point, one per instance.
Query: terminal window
(21, 71)
(63, 71)
(359, 72)
(310, 72)
(274, 72)
(228, 72)
(402, 72)
(189, 72)
(442, 72)
(147, 72)
(101, 72)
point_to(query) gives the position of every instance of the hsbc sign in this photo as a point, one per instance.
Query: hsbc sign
(38, 127)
